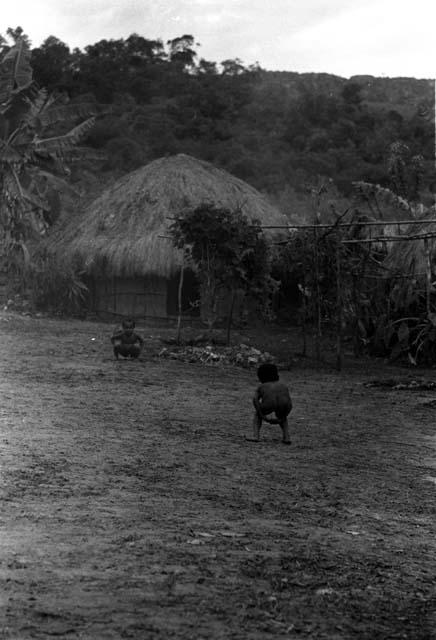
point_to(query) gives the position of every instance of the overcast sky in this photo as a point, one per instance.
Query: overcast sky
(344, 37)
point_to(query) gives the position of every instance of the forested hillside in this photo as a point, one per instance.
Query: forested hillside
(280, 131)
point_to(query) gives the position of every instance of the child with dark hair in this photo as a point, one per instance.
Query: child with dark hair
(126, 341)
(271, 396)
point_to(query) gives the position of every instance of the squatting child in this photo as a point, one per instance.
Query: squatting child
(126, 341)
(271, 396)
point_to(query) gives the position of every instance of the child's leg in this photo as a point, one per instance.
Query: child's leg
(285, 430)
(257, 423)
(135, 350)
(121, 350)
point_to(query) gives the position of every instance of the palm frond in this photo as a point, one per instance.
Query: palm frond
(7, 76)
(8, 154)
(35, 108)
(15, 71)
(79, 154)
(54, 114)
(34, 200)
(6, 80)
(368, 191)
(22, 70)
(17, 103)
(55, 182)
(25, 252)
(60, 144)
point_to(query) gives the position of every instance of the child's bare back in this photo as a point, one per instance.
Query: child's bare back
(271, 396)
(274, 397)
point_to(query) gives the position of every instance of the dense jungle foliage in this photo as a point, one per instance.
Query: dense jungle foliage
(276, 130)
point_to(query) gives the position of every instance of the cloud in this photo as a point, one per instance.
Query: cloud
(334, 36)
(385, 38)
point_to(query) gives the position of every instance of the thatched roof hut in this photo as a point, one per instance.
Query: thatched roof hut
(122, 229)
(118, 237)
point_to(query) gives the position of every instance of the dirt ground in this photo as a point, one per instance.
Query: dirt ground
(133, 507)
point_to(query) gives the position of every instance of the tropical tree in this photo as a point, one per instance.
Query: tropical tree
(229, 254)
(182, 52)
(35, 149)
(52, 64)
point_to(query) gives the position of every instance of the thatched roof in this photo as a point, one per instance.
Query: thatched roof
(121, 230)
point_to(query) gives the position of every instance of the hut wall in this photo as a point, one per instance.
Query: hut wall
(143, 297)
(137, 297)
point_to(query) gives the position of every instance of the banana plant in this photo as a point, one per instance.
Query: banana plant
(35, 149)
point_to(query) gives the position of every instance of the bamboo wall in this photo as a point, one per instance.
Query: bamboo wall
(141, 297)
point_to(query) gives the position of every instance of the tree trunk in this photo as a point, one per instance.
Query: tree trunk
(230, 317)
(428, 277)
(338, 305)
(179, 302)
(318, 310)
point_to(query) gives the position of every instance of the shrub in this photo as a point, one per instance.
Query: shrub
(57, 288)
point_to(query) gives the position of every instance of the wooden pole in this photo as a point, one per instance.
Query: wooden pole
(230, 317)
(372, 223)
(428, 276)
(303, 292)
(318, 311)
(338, 305)
(179, 301)
(425, 236)
(304, 321)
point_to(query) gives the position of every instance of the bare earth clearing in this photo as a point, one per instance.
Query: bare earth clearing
(133, 507)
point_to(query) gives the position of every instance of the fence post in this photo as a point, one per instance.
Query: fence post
(427, 276)
(338, 304)
(179, 301)
(318, 310)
